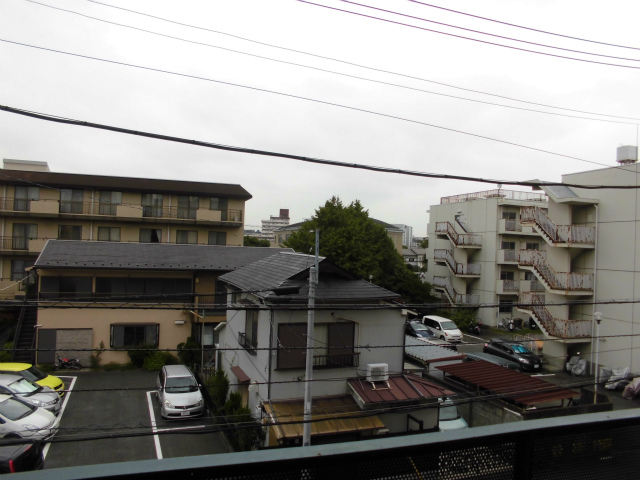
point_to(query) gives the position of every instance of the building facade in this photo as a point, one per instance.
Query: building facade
(274, 223)
(37, 205)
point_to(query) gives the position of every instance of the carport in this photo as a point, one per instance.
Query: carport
(509, 385)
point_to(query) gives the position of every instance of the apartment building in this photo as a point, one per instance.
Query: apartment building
(274, 222)
(568, 256)
(37, 205)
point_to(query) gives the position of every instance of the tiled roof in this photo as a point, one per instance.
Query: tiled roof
(292, 269)
(428, 352)
(401, 389)
(148, 256)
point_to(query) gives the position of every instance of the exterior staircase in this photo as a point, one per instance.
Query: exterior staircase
(564, 283)
(461, 240)
(470, 270)
(533, 304)
(558, 235)
(444, 284)
(25, 336)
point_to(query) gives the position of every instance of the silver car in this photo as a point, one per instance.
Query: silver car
(178, 393)
(30, 392)
(18, 419)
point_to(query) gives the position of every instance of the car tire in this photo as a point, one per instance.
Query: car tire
(12, 436)
(442, 337)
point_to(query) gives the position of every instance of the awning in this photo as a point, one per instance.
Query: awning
(509, 384)
(240, 375)
(340, 415)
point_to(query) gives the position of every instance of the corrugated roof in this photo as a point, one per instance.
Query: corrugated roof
(291, 269)
(121, 184)
(407, 389)
(428, 352)
(511, 385)
(76, 254)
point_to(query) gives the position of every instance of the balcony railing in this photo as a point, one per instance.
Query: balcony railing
(336, 360)
(566, 234)
(510, 285)
(555, 327)
(567, 281)
(444, 283)
(459, 239)
(246, 343)
(508, 194)
(446, 256)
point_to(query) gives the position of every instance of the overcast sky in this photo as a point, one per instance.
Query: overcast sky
(334, 125)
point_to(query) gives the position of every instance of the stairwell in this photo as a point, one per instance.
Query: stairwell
(24, 340)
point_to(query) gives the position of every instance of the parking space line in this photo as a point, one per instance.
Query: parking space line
(179, 428)
(65, 400)
(154, 428)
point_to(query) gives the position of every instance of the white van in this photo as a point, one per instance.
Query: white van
(178, 393)
(442, 328)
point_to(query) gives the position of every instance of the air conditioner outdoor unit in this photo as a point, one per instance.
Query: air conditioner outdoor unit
(377, 372)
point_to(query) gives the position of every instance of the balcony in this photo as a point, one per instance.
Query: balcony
(534, 305)
(464, 270)
(578, 236)
(444, 284)
(22, 245)
(507, 287)
(336, 361)
(514, 227)
(461, 240)
(507, 256)
(563, 283)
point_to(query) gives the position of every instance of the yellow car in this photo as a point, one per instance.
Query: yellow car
(33, 373)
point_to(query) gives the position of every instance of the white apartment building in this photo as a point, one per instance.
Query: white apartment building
(556, 253)
(407, 234)
(269, 226)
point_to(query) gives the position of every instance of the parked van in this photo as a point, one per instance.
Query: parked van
(450, 418)
(442, 328)
(178, 393)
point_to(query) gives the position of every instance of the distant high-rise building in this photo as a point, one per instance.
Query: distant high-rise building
(268, 226)
(407, 234)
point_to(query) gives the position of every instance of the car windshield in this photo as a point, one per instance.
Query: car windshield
(449, 412)
(448, 326)
(36, 373)
(14, 410)
(24, 386)
(418, 326)
(181, 384)
(520, 349)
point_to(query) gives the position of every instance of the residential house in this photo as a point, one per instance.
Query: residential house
(414, 257)
(131, 294)
(38, 205)
(263, 351)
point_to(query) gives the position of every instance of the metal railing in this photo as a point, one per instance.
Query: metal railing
(510, 285)
(459, 239)
(247, 344)
(567, 281)
(444, 283)
(556, 327)
(336, 360)
(446, 256)
(569, 234)
(508, 194)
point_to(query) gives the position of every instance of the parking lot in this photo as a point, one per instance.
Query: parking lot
(115, 417)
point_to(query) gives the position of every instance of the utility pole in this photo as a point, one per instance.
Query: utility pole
(313, 281)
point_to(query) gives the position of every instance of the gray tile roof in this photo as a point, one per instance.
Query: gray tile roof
(148, 256)
(292, 269)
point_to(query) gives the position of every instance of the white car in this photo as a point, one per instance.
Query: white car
(18, 419)
(442, 328)
(30, 392)
(179, 393)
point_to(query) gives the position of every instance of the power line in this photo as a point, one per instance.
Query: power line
(331, 71)
(353, 63)
(526, 28)
(489, 34)
(469, 38)
(67, 121)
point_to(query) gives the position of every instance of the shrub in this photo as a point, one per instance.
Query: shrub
(139, 354)
(47, 367)
(95, 359)
(157, 360)
(189, 352)
(218, 386)
(111, 366)
(248, 434)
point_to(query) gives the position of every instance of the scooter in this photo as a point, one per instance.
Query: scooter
(68, 363)
(475, 328)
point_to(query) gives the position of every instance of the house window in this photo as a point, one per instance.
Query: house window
(222, 204)
(506, 306)
(66, 287)
(187, 206)
(187, 236)
(18, 272)
(529, 276)
(506, 275)
(333, 345)
(108, 234)
(509, 215)
(71, 200)
(249, 339)
(108, 202)
(150, 235)
(23, 197)
(175, 289)
(70, 232)
(123, 336)
(152, 205)
(217, 238)
(533, 246)
(22, 233)
(508, 245)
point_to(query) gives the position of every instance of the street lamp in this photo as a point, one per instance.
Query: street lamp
(598, 316)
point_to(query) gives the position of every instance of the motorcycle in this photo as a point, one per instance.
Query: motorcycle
(475, 328)
(68, 363)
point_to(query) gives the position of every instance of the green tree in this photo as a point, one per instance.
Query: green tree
(255, 242)
(356, 243)
(424, 243)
